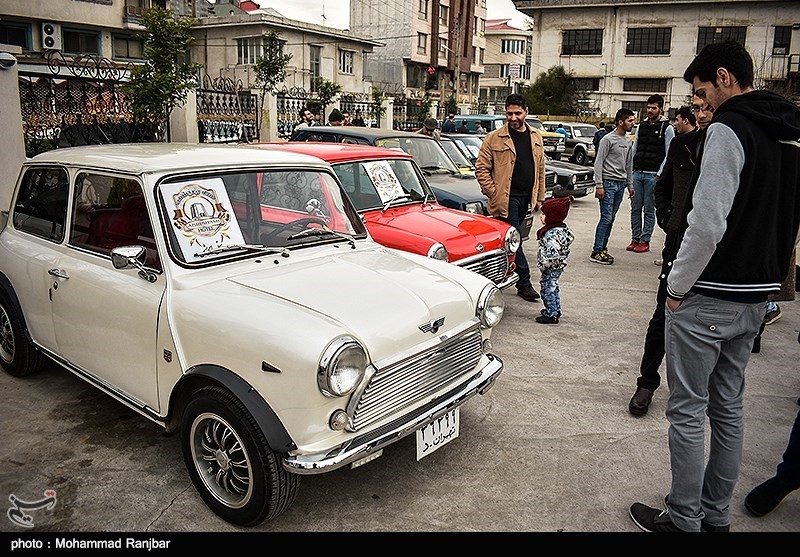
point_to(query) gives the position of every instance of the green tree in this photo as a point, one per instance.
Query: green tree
(424, 108)
(164, 80)
(552, 92)
(376, 108)
(326, 92)
(270, 69)
(450, 105)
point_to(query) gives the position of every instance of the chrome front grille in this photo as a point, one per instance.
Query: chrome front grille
(493, 265)
(550, 141)
(416, 378)
(550, 179)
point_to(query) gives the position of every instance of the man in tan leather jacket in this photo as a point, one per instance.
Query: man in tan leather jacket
(512, 181)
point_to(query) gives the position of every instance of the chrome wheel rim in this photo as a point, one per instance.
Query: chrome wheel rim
(221, 460)
(6, 337)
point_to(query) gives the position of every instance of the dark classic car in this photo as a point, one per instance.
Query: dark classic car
(390, 193)
(453, 188)
(574, 179)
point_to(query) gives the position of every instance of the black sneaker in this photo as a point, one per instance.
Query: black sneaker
(547, 320)
(601, 257)
(544, 310)
(773, 316)
(652, 520)
(528, 293)
(763, 498)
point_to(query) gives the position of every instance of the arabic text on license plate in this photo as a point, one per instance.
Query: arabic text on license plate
(438, 433)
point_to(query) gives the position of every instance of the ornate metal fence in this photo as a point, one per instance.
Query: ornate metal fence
(226, 113)
(289, 104)
(77, 102)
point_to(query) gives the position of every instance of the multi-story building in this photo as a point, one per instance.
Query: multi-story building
(507, 66)
(430, 45)
(623, 51)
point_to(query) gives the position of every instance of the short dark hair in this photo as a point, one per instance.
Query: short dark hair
(516, 99)
(686, 113)
(656, 99)
(302, 112)
(622, 115)
(729, 55)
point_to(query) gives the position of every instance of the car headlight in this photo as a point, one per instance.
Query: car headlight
(513, 240)
(438, 251)
(490, 306)
(475, 207)
(341, 367)
(574, 179)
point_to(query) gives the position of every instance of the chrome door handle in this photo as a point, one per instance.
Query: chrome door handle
(58, 273)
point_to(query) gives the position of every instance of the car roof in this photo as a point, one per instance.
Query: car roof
(143, 158)
(336, 152)
(358, 131)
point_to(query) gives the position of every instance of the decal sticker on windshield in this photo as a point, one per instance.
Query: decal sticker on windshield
(384, 179)
(202, 215)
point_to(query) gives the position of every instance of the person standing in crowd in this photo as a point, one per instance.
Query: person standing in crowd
(430, 127)
(650, 148)
(612, 175)
(449, 125)
(670, 192)
(346, 118)
(563, 131)
(358, 119)
(306, 118)
(479, 129)
(598, 135)
(463, 128)
(555, 239)
(748, 179)
(510, 170)
(336, 118)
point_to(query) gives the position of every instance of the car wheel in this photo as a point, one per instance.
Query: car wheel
(580, 156)
(18, 356)
(233, 468)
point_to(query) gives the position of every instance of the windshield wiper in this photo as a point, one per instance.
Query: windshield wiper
(323, 231)
(394, 198)
(240, 247)
(436, 168)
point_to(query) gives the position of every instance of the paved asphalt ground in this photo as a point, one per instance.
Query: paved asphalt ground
(551, 448)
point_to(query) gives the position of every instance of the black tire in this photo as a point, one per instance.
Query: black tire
(236, 473)
(18, 356)
(579, 156)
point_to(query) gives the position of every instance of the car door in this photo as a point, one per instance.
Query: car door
(105, 319)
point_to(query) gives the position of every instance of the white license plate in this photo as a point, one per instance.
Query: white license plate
(438, 433)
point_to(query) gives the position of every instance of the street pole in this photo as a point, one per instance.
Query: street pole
(457, 72)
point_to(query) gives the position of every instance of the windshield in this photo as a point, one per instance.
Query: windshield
(584, 131)
(455, 153)
(215, 216)
(428, 153)
(373, 184)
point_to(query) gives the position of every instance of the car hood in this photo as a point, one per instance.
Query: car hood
(464, 186)
(463, 234)
(562, 165)
(366, 291)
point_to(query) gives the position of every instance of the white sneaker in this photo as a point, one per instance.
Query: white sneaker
(658, 262)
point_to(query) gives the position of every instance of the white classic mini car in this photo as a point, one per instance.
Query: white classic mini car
(233, 294)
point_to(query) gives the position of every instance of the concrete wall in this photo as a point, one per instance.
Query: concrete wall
(12, 154)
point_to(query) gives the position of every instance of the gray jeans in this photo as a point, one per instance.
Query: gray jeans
(708, 343)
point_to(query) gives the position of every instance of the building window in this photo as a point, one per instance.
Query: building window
(581, 41)
(443, 46)
(422, 43)
(422, 12)
(782, 40)
(314, 66)
(710, 35)
(16, 34)
(444, 12)
(644, 85)
(249, 50)
(512, 46)
(346, 61)
(474, 55)
(649, 40)
(126, 46)
(522, 71)
(81, 42)
(588, 84)
(481, 54)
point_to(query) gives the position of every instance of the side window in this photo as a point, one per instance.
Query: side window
(41, 205)
(110, 212)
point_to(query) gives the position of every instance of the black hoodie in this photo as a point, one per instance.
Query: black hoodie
(742, 212)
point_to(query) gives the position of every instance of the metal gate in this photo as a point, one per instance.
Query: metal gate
(226, 113)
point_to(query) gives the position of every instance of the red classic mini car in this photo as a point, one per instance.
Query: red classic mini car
(400, 210)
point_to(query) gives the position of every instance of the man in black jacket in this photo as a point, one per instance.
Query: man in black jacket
(670, 193)
(738, 231)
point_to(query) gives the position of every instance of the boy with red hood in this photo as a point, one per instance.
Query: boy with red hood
(555, 239)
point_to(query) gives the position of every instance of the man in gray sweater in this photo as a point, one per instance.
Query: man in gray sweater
(613, 172)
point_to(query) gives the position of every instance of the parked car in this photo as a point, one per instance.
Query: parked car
(574, 179)
(233, 294)
(390, 193)
(470, 145)
(465, 166)
(579, 146)
(453, 188)
(554, 144)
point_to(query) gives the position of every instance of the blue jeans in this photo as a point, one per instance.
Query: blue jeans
(517, 209)
(644, 185)
(708, 343)
(609, 205)
(550, 292)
